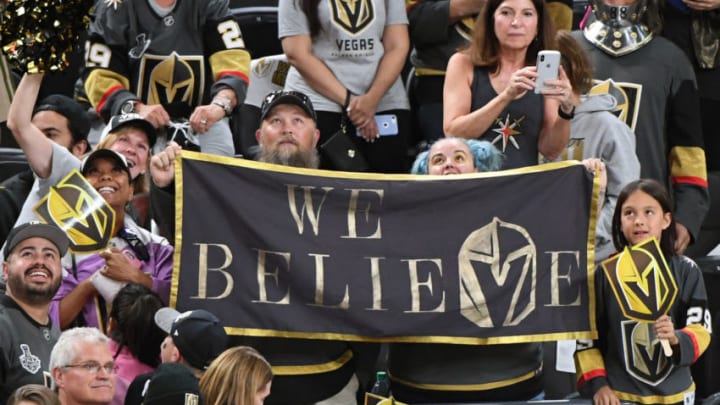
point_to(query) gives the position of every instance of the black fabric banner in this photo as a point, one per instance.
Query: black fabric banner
(478, 258)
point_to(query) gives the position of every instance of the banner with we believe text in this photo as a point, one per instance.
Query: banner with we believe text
(479, 258)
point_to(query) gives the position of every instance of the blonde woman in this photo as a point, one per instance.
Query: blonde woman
(33, 394)
(240, 376)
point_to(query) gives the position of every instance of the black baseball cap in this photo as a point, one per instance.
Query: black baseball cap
(197, 334)
(105, 153)
(172, 384)
(78, 119)
(36, 230)
(287, 97)
(131, 119)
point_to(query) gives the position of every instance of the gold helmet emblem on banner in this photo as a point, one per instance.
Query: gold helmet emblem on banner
(516, 270)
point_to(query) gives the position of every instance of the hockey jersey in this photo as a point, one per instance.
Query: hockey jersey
(179, 60)
(629, 358)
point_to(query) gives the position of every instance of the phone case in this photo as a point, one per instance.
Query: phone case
(548, 64)
(386, 123)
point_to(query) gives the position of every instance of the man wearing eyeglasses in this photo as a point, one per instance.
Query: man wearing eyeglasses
(33, 273)
(82, 367)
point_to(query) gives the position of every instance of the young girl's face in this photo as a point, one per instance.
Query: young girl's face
(642, 218)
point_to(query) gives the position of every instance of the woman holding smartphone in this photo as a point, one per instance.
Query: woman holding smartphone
(489, 89)
(347, 57)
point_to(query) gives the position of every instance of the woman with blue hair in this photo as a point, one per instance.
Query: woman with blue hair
(457, 155)
(439, 372)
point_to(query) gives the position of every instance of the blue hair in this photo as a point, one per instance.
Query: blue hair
(486, 157)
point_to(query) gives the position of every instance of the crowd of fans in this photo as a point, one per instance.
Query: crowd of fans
(633, 100)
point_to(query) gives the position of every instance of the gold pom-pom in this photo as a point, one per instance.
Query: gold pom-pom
(39, 35)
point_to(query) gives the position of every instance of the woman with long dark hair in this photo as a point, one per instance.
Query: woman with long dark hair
(489, 89)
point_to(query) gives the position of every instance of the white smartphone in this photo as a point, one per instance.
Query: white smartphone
(548, 63)
(387, 125)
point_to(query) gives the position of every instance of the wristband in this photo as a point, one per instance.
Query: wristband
(348, 93)
(562, 114)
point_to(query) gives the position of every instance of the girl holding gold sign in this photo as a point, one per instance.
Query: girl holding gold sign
(626, 362)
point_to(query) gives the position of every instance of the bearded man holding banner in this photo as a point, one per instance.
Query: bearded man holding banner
(305, 371)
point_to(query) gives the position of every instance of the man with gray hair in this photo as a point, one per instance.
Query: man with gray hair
(82, 367)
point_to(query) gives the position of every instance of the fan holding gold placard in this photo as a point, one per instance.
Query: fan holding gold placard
(650, 309)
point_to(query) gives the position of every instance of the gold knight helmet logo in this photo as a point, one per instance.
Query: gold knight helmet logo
(352, 15)
(644, 358)
(172, 80)
(78, 209)
(509, 276)
(642, 281)
(627, 95)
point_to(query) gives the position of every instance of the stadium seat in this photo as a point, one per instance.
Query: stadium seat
(713, 399)
(12, 161)
(259, 28)
(705, 371)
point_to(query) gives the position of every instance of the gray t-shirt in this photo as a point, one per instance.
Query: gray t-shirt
(350, 44)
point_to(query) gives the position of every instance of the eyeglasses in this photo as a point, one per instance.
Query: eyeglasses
(94, 367)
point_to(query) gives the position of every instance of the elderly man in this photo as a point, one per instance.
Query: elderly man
(82, 367)
(33, 274)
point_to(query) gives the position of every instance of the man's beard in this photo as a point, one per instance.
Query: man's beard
(29, 293)
(299, 158)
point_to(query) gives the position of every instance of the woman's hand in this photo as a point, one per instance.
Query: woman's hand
(605, 396)
(521, 81)
(595, 165)
(162, 165)
(561, 90)
(361, 112)
(118, 266)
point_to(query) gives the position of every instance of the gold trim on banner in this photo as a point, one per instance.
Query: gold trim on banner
(252, 164)
(546, 337)
(592, 226)
(177, 254)
(314, 368)
(466, 387)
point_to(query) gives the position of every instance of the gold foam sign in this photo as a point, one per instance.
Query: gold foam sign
(78, 209)
(641, 281)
